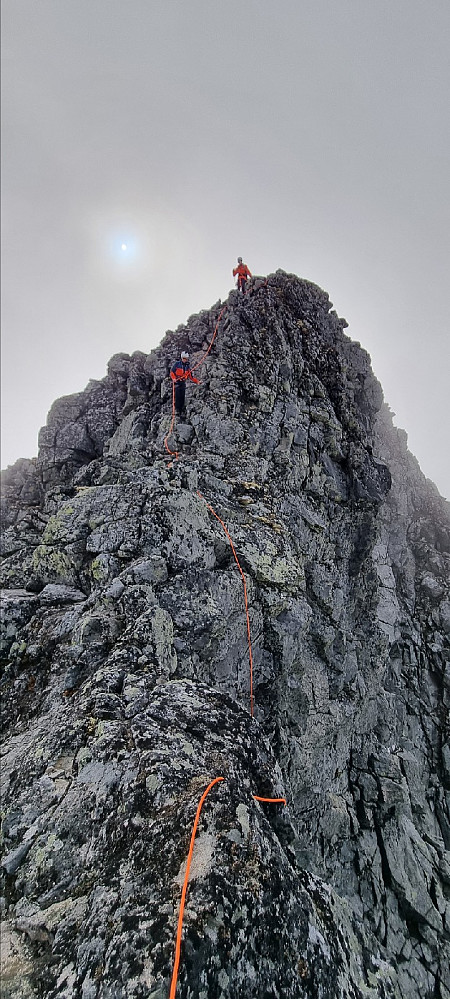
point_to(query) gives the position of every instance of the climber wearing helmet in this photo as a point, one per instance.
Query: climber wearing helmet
(179, 373)
(243, 273)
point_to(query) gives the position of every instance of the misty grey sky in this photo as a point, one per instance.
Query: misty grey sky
(311, 135)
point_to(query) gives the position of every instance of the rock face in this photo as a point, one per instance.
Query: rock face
(126, 678)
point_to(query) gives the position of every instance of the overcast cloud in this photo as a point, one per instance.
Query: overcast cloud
(311, 135)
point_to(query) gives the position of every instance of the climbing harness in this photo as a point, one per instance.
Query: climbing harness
(176, 964)
(250, 654)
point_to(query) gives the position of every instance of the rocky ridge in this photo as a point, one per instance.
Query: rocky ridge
(126, 677)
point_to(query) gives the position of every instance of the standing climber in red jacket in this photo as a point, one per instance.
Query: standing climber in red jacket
(179, 373)
(243, 273)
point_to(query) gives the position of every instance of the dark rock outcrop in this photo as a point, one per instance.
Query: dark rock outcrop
(126, 678)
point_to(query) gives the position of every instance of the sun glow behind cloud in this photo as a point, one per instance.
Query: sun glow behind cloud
(120, 247)
(127, 251)
(144, 272)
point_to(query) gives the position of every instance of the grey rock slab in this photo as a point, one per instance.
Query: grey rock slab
(54, 594)
(150, 570)
(13, 860)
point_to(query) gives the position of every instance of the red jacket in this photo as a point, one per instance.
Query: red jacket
(242, 272)
(181, 371)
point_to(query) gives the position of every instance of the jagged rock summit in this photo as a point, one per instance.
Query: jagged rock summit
(126, 682)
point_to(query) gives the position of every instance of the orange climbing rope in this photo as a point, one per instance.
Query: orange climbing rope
(250, 654)
(173, 453)
(173, 985)
(217, 780)
(212, 341)
(271, 801)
